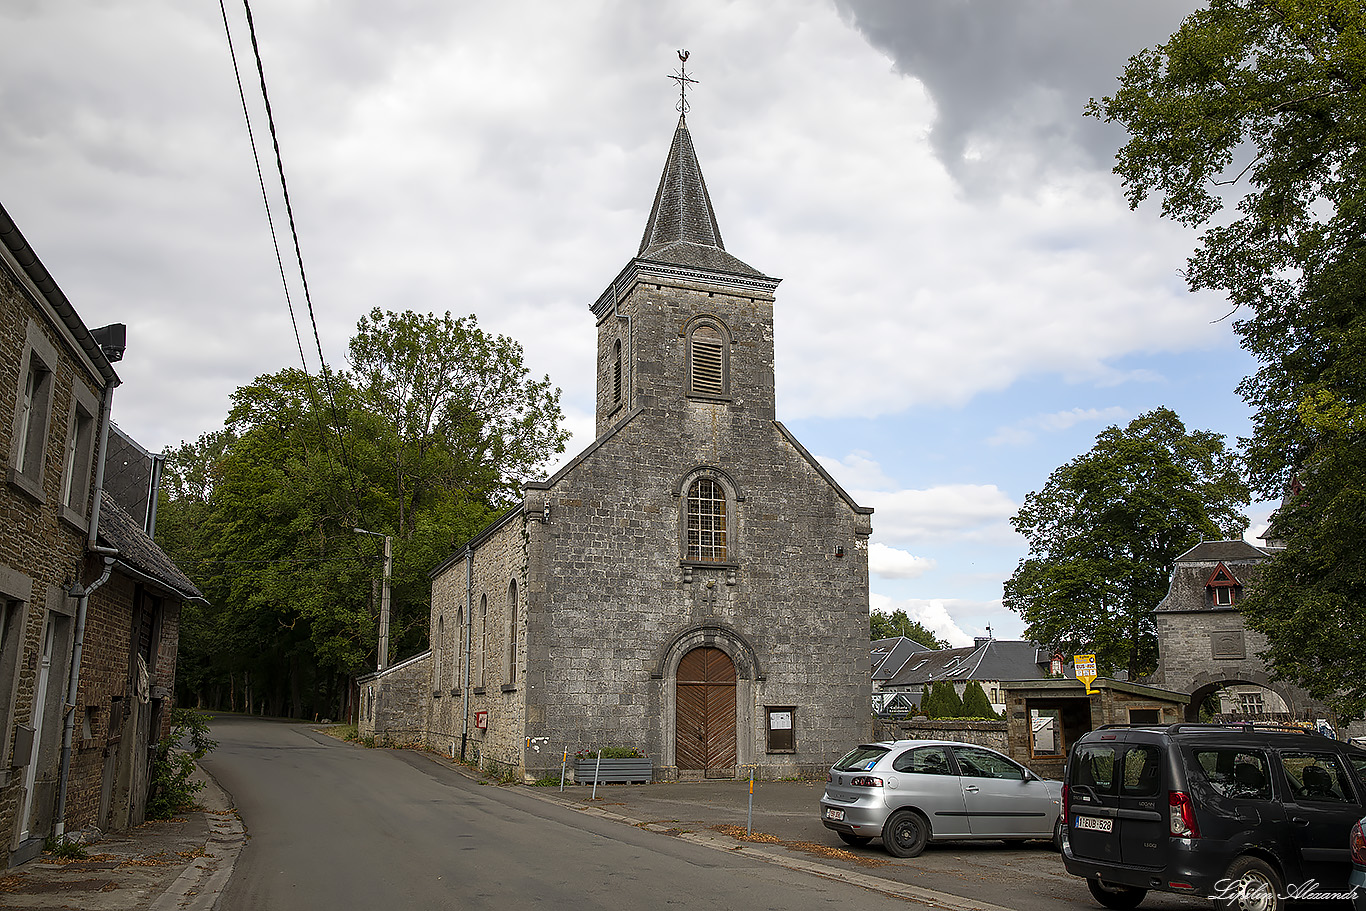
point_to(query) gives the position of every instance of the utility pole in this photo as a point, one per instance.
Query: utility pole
(383, 660)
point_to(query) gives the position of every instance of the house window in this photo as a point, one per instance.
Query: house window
(782, 729)
(512, 632)
(708, 361)
(76, 480)
(706, 521)
(1251, 704)
(33, 411)
(11, 641)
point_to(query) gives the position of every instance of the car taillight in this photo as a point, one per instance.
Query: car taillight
(1358, 845)
(865, 781)
(1066, 805)
(829, 776)
(1181, 815)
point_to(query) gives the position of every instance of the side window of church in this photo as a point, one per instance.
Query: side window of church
(706, 521)
(706, 362)
(616, 373)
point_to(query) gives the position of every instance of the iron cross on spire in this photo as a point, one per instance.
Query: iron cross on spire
(683, 80)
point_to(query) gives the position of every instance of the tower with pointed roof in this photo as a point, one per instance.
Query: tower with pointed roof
(694, 584)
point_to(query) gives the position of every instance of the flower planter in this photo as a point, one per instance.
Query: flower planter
(614, 771)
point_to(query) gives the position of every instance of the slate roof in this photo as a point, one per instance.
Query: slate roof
(119, 530)
(891, 655)
(1223, 552)
(682, 227)
(993, 659)
(1191, 572)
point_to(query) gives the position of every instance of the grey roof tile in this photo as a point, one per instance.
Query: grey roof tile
(119, 530)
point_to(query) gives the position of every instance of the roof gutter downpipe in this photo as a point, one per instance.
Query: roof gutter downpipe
(469, 635)
(82, 595)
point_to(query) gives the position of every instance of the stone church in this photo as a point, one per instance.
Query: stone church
(693, 585)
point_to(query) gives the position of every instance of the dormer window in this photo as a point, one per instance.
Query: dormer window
(1223, 588)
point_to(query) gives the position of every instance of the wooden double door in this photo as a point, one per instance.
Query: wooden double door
(704, 738)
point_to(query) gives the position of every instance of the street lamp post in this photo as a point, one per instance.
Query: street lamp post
(383, 660)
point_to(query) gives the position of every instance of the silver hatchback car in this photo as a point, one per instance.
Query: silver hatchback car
(910, 792)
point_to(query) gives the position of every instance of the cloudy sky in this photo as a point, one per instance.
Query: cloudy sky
(966, 302)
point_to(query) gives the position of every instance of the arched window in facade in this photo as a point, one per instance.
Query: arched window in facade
(436, 651)
(708, 360)
(512, 631)
(483, 636)
(706, 517)
(459, 680)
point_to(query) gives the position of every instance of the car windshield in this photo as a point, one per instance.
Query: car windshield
(861, 759)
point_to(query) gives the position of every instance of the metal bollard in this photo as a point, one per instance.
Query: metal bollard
(564, 762)
(596, 770)
(749, 823)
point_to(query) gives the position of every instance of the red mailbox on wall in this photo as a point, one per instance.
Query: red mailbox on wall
(481, 720)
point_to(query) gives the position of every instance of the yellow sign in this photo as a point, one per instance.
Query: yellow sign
(1085, 668)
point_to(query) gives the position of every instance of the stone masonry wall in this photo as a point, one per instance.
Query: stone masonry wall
(496, 682)
(616, 592)
(393, 703)
(40, 546)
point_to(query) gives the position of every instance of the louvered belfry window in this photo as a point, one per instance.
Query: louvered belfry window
(706, 522)
(707, 362)
(616, 373)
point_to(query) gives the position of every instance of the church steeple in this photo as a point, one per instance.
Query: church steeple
(682, 227)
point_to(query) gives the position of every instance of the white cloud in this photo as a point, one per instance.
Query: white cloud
(858, 470)
(932, 614)
(1024, 430)
(890, 563)
(963, 512)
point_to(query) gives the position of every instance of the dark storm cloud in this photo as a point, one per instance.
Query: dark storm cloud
(1009, 78)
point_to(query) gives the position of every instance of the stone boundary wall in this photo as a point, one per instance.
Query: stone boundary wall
(393, 703)
(991, 734)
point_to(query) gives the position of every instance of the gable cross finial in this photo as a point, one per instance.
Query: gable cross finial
(683, 80)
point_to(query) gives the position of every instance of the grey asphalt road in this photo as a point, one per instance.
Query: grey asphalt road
(334, 826)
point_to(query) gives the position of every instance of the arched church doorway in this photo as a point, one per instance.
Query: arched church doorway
(704, 737)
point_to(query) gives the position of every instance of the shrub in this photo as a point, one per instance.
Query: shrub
(976, 704)
(172, 790)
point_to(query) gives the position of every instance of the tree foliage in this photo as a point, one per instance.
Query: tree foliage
(1105, 528)
(941, 700)
(426, 441)
(1249, 123)
(975, 702)
(898, 623)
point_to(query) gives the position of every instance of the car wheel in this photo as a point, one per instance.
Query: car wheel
(1121, 898)
(905, 834)
(1057, 835)
(856, 841)
(1254, 885)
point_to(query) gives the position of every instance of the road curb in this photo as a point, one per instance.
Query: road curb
(200, 885)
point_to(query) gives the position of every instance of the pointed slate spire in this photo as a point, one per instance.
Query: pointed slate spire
(682, 227)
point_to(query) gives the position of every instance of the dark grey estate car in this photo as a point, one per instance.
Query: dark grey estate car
(1242, 814)
(909, 792)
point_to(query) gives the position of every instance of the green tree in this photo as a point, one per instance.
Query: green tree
(898, 623)
(1259, 107)
(1105, 528)
(947, 702)
(1249, 123)
(426, 442)
(1310, 601)
(975, 702)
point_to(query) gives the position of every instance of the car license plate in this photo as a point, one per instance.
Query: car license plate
(1098, 825)
(836, 815)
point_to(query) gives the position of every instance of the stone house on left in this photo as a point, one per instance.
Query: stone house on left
(89, 606)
